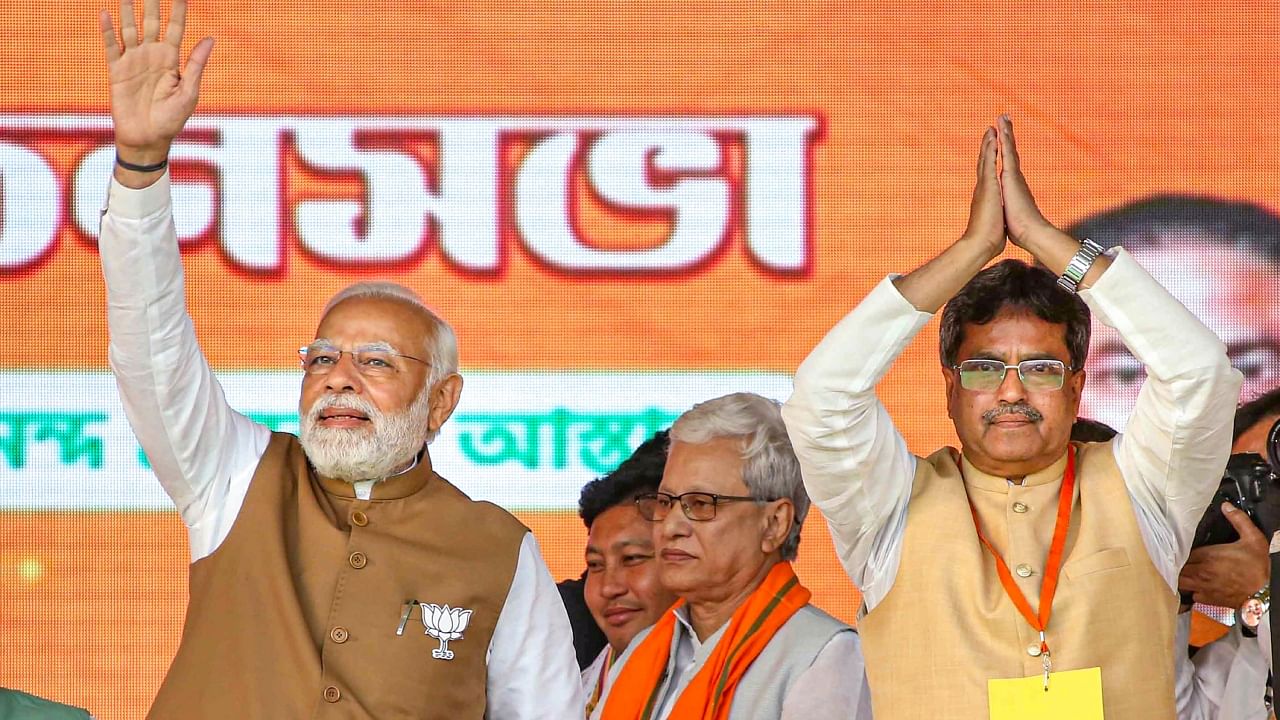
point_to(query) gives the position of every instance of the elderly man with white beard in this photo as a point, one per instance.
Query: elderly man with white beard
(335, 574)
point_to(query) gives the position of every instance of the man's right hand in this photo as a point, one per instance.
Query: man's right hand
(151, 99)
(931, 285)
(986, 213)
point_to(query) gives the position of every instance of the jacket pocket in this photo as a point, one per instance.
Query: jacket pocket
(1108, 559)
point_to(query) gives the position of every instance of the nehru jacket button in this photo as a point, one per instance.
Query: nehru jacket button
(1033, 650)
(339, 635)
(332, 694)
(358, 560)
(359, 519)
(1019, 507)
(1023, 570)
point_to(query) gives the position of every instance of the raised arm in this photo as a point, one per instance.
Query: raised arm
(533, 672)
(931, 285)
(1175, 446)
(856, 465)
(197, 446)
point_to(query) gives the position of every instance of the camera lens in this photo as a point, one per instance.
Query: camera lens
(1273, 447)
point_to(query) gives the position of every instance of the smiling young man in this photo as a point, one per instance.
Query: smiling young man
(1019, 563)
(333, 574)
(622, 589)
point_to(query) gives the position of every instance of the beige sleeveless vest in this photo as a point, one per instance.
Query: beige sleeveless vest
(295, 614)
(947, 626)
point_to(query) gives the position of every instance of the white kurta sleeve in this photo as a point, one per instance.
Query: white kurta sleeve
(1174, 449)
(855, 463)
(1226, 680)
(1189, 697)
(533, 672)
(201, 450)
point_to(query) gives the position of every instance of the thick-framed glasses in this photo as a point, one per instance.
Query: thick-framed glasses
(373, 362)
(1036, 375)
(654, 506)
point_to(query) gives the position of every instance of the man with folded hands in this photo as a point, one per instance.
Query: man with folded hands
(1020, 575)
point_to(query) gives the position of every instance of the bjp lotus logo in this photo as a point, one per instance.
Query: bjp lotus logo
(444, 624)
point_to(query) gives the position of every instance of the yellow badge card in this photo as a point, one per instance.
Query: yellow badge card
(1072, 695)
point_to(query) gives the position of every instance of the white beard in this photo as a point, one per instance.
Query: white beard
(372, 453)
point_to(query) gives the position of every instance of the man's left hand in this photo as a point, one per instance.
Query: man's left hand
(1022, 217)
(1226, 575)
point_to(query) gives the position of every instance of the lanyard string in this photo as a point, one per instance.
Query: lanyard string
(600, 679)
(1052, 565)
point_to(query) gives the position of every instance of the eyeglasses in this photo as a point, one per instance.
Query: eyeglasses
(372, 362)
(1036, 375)
(654, 506)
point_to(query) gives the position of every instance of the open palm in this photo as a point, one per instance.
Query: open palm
(151, 99)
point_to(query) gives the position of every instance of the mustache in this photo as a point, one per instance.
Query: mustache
(1018, 408)
(350, 402)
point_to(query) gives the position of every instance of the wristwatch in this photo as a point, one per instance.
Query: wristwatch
(1251, 612)
(1079, 265)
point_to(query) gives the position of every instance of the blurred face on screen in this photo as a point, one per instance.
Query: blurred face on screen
(1013, 430)
(363, 411)
(1237, 297)
(622, 589)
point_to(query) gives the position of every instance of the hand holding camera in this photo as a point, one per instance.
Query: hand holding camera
(1228, 574)
(1229, 561)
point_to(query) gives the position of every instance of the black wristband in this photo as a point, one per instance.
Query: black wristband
(142, 168)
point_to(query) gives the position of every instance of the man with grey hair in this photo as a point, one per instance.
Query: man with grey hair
(743, 640)
(312, 554)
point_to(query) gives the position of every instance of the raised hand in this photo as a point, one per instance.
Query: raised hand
(1021, 216)
(932, 284)
(986, 215)
(151, 96)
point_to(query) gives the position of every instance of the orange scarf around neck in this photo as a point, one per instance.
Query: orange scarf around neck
(709, 695)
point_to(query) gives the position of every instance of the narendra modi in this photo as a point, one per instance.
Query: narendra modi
(311, 554)
(362, 436)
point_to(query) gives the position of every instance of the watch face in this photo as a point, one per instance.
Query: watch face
(1251, 613)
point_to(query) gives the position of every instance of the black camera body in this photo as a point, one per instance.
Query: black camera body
(1251, 485)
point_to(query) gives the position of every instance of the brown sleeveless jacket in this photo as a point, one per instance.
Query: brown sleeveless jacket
(295, 614)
